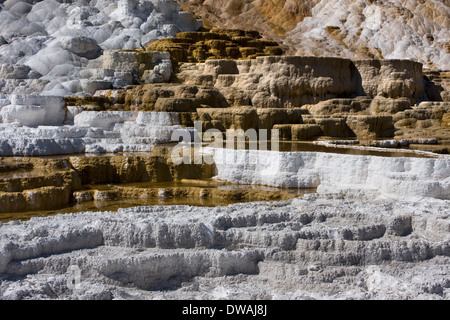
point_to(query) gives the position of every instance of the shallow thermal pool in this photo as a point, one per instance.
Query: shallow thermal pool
(225, 194)
(187, 192)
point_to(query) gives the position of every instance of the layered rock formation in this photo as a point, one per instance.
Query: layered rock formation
(325, 246)
(36, 184)
(415, 30)
(51, 44)
(30, 184)
(400, 29)
(90, 132)
(215, 44)
(363, 99)
(392, 177)
(273, 19)
(92, 94)
(304, 97)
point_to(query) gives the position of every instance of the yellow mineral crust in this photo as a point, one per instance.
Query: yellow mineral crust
(32, 183)
(215, 44)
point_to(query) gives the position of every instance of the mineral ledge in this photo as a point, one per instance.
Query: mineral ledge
(91, 93)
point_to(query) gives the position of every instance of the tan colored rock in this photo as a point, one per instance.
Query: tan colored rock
(83, 196)
(446, 120)
(367, 99)
(437, 85)
(18, 182)
(268, 117)
(272, 18)
(330, 126)
(230, 118)
(121, 169)
(146, 66)
(298, 132)
(428, 120)
(302, 132)
(36, 183)
(381, 105)
(340, 28)
(285, 131)
(391, 78)
(43, 183)
(215, 44)
(370, 127)
(44, 198)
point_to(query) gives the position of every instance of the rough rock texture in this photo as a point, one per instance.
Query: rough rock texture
(32, 183)
(78, 131)
(374, 227)
(272, 18)
(400, 29)
(145, 66)
(32, 110)
(403, 29)
(396, 177)
(292, 81)
(363, 99)
(366, 99)
(377, 229)
(328, 246)
(178, 98)
(59, 40)
(215, 44)
(36, 184)
(332, 97)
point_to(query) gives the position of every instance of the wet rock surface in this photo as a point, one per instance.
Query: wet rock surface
(30, 184)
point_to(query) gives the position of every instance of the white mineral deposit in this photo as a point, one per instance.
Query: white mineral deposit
(350, 201)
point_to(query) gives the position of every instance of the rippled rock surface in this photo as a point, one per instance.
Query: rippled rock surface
(47, 45)
(325, 246)
(400, 29)
(91, 92)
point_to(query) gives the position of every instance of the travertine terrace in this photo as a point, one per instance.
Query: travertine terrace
(383, 29)
(349, 198)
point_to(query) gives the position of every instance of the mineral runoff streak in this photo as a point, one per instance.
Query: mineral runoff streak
(231, 309)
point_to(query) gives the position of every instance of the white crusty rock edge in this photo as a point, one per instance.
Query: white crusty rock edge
(323, 246)
(398, 177)
(393, 29)
(59, 47)
(379, 237)
(85, 132)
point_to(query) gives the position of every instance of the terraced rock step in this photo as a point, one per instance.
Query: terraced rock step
(65, 48)
(92, 93)
(29, 184)
(39, 185)
(348, 245)
(90, 132)
(170, 193)
(351, 29)
(328, 172)
(197, 47)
